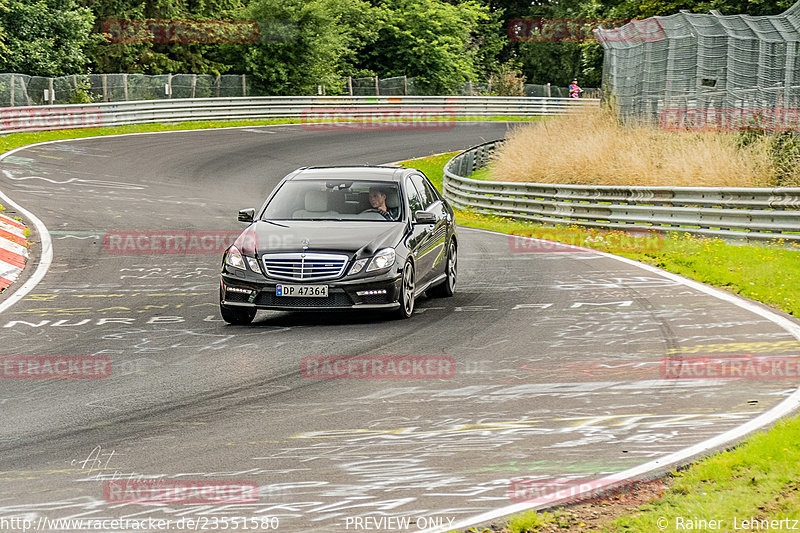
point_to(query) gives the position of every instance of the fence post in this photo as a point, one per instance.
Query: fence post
(548, 89)
(219, 81)
(194, 83)
(405, 86)
(169, 85)
(244, 85)
(350, 85)
(377, 90)
(52, 91)
(75, 82)
(13, 82)
(125, 86)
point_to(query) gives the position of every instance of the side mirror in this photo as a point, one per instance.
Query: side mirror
(247, 215)
(424, 217)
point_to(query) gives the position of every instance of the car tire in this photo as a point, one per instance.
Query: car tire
(407, 286)
(238, 316)
(447, 287)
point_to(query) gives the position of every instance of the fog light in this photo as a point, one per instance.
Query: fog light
(371, 293)
(240, 291)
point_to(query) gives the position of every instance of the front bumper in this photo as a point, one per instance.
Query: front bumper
(247, 289)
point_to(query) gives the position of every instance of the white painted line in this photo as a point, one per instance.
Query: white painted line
(47, 247)
(787, 406)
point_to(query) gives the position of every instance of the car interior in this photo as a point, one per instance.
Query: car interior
(345, 203)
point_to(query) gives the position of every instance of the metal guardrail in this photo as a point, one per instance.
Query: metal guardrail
(757, 214)
(38, 118)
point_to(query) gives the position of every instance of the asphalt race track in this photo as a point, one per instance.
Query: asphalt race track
(558, 355)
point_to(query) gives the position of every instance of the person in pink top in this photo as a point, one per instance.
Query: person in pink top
(574, 90)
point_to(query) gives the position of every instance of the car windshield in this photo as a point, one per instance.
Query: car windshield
(336, 199)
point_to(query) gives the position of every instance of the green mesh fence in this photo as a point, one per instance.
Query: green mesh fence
(704, 67)
(22, 90)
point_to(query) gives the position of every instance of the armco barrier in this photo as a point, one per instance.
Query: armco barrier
(39, 118)
(727, 212)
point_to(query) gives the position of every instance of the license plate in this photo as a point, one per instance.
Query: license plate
(305, 291)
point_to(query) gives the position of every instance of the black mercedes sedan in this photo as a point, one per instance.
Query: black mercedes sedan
(342, 238)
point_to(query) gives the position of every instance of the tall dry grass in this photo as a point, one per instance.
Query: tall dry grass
(594, 148)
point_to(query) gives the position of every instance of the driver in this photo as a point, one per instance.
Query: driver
(377, 199)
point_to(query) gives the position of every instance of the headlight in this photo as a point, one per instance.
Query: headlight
(383, 259)
(234, 258)
(252, 262)
(357, 266)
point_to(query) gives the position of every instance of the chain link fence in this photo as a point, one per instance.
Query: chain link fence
(23, 90)
(694, 66)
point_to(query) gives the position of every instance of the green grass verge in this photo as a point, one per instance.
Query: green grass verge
(769, 274)
(759, 478)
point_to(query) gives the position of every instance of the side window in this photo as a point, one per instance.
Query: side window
(413, 197)
(427, 195)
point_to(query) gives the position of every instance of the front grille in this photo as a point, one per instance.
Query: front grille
(334, 299)
(304, 267)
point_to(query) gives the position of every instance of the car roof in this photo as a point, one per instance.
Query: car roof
(365, 172)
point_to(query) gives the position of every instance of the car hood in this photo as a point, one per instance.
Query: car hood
(361, 238)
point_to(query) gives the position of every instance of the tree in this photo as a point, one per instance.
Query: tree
(508, 81)
(160, 57)
(321, 41)
(435, 42)
(46, 37)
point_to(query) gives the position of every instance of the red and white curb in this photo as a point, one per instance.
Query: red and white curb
(13, 250)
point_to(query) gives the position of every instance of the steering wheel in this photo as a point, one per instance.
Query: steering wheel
(385, 214)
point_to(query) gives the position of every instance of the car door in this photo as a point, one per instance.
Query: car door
(419, 243)
(437, 240)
